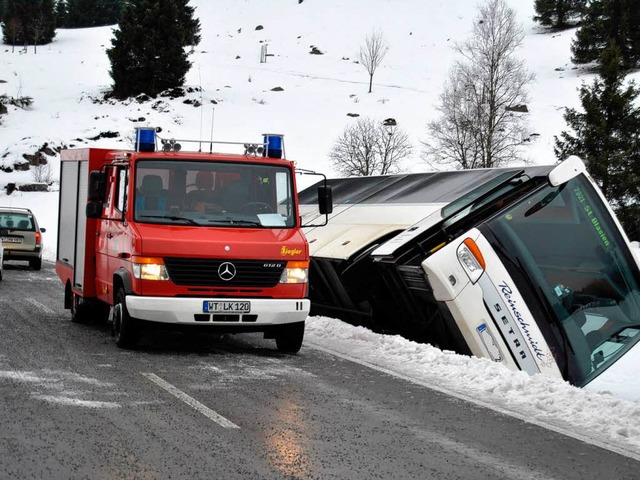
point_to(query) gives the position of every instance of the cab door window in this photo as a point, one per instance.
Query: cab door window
(121, 196)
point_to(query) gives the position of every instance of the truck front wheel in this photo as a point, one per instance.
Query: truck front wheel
(125, 328)
(289, 338)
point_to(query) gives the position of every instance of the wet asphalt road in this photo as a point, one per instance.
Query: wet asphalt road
(186, 406)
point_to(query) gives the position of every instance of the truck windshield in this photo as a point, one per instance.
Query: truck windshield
(213, 194)
(570, 262)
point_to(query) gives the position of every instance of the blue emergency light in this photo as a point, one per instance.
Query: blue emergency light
(273, 145)
(145, 139)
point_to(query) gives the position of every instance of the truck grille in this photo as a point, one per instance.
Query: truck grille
(207, 272)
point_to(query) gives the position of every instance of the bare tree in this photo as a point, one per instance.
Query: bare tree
(37, 29)
(369, 147)
(453, 136)
(42, 173)
(372, 54)
(482, 123)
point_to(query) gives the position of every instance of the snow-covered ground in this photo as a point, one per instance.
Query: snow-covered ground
(66, 77)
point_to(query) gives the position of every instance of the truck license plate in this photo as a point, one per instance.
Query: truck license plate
(11, 240)
(226, 307)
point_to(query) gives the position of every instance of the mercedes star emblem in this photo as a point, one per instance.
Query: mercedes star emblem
(226, 271)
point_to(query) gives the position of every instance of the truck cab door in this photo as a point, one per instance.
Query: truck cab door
(112, 232)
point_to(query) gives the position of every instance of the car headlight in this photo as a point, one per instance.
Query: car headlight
(295, 272)
(149, 268)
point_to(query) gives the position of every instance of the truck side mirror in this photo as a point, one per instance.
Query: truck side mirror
(325, 200)
(94, 209)
(97, 186)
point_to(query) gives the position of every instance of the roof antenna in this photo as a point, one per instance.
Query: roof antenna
(201, 111)
(213, 111)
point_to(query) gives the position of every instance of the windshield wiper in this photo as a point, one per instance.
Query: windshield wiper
(172, 217)
(245, 222)
(616, 333)
(544, 202)
(234, 221)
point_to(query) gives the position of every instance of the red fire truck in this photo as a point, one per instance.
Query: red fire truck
(164, 236)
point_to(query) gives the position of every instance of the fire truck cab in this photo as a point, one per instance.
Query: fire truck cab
(164, 236)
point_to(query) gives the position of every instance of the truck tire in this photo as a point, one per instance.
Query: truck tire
(80, 312)
(125, 328)
(289, 338)
(36, 264)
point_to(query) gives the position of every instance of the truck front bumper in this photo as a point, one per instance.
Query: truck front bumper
(190, 311)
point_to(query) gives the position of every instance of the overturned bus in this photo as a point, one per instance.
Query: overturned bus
(526, 266)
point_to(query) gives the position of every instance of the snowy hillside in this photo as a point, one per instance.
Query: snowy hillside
(66, 77)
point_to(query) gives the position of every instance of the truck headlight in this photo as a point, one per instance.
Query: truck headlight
(295, 272)
(149, 268)
(471, 259)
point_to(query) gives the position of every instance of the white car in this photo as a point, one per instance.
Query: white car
(22, 236)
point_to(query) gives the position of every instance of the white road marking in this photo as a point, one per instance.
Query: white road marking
(192, 402)
(62, 385)
(76, 402)
(42, 307)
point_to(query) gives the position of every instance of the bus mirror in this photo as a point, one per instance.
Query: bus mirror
(97, 186)
(325, 200)
(565, 171)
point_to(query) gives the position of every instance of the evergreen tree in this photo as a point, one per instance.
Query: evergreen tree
(190, 24)
(10, 23)
(607, 136)
(44, 27)
(28, 22)
(111, 11)
(148, 49)
(559, 13)
(93, 13)
(60, 13)
(605, 20)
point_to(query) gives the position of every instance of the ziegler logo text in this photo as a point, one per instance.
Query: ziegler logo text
(284, 251)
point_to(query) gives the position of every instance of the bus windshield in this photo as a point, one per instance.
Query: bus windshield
(571, 263)
(213, 194)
